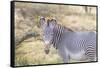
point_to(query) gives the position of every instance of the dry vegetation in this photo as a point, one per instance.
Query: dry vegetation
(30, 50)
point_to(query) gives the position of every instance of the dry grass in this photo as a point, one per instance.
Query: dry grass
(31, 51)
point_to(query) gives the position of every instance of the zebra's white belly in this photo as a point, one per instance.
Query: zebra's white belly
(76, 56)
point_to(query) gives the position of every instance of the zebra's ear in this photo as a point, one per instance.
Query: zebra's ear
(54, 21)
(51, 23)
(42, 21)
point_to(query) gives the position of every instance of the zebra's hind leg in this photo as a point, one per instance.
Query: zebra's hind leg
(91, 53)
(88, 57)
(91, 57)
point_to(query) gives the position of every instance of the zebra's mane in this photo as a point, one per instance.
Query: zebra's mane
(68, 29)
(65, 28)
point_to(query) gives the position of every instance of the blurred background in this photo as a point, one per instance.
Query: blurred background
(29, 48)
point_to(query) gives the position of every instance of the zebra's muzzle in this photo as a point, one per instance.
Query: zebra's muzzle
(46, 49)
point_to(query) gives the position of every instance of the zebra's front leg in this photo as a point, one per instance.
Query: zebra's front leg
(64, 55)
(66, 59)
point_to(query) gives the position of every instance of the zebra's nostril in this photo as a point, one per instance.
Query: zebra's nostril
(46, 51)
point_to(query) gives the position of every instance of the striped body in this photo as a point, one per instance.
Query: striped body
(80, 46)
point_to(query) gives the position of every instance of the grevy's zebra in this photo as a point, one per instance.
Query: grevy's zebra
(71, 45)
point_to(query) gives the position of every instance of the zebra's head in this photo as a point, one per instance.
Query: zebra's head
(47, 32)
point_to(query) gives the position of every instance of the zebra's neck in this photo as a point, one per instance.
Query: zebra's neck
(57, 34)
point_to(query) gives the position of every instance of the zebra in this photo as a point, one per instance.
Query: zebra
(80, 46)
